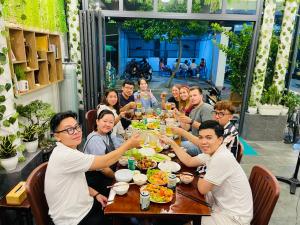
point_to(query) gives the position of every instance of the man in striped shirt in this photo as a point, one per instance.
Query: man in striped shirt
(223, 113)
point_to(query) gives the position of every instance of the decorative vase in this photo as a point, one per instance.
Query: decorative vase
(31, 146)
(252, 110)
(10, 163)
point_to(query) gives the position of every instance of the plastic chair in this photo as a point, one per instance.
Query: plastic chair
(240, 152)
(91, 117)
(265, 192)
(36, 195)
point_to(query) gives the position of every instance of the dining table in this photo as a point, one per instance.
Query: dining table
(187, 203)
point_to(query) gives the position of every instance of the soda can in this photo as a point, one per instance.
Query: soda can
(144, 200)
(131, 163)
(172, 181)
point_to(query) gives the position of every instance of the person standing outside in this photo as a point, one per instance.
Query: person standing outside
(225, 184)
(200, 113)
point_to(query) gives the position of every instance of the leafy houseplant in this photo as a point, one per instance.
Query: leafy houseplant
(291, 101)
(20, 73)
(30, 133)
(8, 152)
(270, 101)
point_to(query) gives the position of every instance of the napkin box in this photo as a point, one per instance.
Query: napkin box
(17, 195)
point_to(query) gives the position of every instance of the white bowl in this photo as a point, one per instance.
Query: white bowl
(121, 188)
(123, 161)
(186, 178)
(124, 175)
(139, 179)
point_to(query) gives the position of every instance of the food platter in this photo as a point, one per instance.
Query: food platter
(147, 151)
(158, 157)
(146, 163)
(158, 194)
(157, 177)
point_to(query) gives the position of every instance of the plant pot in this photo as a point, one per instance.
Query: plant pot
(252, 110)
(10, 163)
(31, 146)
(270, 110)
(284, 111)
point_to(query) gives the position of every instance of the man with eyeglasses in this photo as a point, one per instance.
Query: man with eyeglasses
(69, 198)
(223, 113)
(126, 100)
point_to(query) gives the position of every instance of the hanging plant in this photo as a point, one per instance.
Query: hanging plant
(286, 34)
(75, 54)
(262, 54)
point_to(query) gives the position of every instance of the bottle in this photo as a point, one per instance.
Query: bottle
(144, 200)
(131, 163)
(172, 181)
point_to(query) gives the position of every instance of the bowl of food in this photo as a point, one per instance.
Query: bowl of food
(186, 177)
(123, 161)
(123, 175)
(139, 179)
(121, 188)
(146, 163)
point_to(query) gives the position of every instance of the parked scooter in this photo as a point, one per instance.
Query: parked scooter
(141, 69)
(214, 94)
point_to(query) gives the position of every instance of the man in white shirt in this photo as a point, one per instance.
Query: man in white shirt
(225, 184)
(69, 198)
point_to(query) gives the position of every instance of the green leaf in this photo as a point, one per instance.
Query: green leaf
(7, 86)
(2, 58)
(2, 98)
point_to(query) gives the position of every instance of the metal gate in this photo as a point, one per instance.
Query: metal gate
(92, 38)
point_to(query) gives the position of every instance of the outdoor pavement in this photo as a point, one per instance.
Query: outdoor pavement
(278, 157)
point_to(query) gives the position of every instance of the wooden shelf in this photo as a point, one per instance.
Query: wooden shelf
(19, 62)
(39, 51)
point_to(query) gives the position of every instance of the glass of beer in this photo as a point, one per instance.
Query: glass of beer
(168, 106)
(178, 140)
(169, 130)
(164, 94)
(139, 105)
(152, 141)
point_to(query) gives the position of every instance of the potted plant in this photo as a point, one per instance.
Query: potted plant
(270, 102)
(291, 101)
(21, 78)
(252, 108)
(8, 152)
(30, 137)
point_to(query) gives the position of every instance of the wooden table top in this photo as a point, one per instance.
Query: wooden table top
(128, 204)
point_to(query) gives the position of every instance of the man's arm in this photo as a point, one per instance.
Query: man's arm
(204, 186)
(187, 135)
(184, 157)
(108, 172)
(130, 105)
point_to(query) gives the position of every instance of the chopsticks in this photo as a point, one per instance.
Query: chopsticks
(117, 185)
(194, 198)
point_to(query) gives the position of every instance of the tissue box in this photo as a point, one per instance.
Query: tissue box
(17, 195)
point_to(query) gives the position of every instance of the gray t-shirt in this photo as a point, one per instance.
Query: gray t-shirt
(201, 114)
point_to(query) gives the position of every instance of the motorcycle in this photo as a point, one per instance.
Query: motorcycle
(141, 69)
(214, 94)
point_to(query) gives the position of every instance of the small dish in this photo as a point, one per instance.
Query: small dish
(139, 179)
(123, 161)
(171, 155)
(121, 188)
(123, 175)
(186, 177)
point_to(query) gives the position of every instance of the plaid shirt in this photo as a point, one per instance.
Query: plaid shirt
(231, 138)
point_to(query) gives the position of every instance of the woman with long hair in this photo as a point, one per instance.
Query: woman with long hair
(110, 102)
(185, 105)
(101, 142)
(144, 95)
(173, 99)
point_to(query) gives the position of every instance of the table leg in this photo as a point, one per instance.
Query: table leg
(116, 220)
(197, 221)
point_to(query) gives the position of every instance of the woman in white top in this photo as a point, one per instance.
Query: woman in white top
(111, 102)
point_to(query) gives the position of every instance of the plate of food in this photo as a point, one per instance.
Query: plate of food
(158, 157)
(169, 166)
(146, 163)
(134, 152)
(157, 177)
(158, 194)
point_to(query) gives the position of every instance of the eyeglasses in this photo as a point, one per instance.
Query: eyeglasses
(70, 130)
(220, 114)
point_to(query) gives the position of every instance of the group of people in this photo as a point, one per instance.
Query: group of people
(75, 181)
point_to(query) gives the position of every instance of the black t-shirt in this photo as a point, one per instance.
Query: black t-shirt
(123, 101)
(172, 99)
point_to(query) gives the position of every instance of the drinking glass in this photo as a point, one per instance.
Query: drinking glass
(168, 106)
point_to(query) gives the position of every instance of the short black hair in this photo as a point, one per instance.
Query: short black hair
(127, 82)
(139, 81)
(58, 117)
(103, 113)
(196, 88)
(214, 125)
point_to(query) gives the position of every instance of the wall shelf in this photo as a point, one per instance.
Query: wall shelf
(38, 51)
